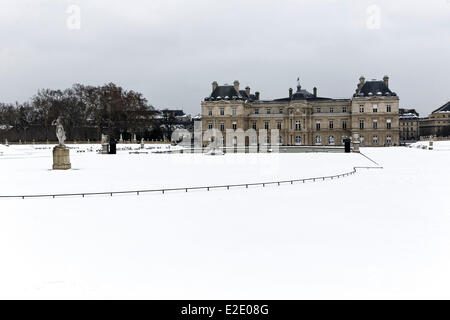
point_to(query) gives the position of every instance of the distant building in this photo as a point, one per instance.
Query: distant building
(175, 112)
(304, 118)
(409, 125)
(437, 123)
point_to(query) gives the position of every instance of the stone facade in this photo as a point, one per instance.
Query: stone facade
(303, 118)
(409, 125)
(437, 123)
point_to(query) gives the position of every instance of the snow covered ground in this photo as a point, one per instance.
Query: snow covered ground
(437, 145)
(376, 234)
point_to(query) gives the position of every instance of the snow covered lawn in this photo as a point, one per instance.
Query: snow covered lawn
(377, 234)
(27, 170)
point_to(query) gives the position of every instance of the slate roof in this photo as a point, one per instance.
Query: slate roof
(302, 94)
(374, 88)
(444, 108)
(228, 92)
(403, 111)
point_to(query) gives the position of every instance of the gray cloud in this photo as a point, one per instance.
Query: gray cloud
(172, 50)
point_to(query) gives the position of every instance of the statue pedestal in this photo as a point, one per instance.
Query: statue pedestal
(356, 146)
(61, 158)
(105, 149)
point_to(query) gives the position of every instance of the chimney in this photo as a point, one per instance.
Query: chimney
(236, 85)
(247, 91)
(362, 80)
(290, 93)
(257, 95)
(386, 81)
(214, 86)
(315, 92)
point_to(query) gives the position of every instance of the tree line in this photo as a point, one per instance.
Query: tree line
(87, 112)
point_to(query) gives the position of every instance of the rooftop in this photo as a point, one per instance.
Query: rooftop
(373, 88)
(444, 108)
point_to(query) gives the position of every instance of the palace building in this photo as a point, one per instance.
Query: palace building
(304, 118)
(437, 123)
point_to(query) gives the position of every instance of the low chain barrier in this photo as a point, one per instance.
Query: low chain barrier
(186, 189)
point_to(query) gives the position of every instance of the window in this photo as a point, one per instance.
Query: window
(233, 111)
(344, 124)
(280, 139)
(375, 139)
(331, 125)
(267, 139)
(298, 140)
(222, 111)
(343, 139)
(361, 139)
(222, 126)
(256, 111)
(344, 109)
(389, 124)
(266, 125)
(361, 108)
(318, 140)
(279, 125)
(268, 111)
(254, 125)
(298, 125)
(281, 110)
(375, 108)
(375, 124)
(318, 126)
(331, 110)
(210, 125)
(331, 140)
(388, 108)
(318, 110)
(361, 124)
(234, 125)
(389, 140)
(209, 112)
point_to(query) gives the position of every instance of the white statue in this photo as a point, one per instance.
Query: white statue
(60, 133)
(104, 139)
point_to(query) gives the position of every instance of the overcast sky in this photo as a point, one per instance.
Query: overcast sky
(172, 50)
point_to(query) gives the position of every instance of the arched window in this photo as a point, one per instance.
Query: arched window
(331, 140)
(298, 140)
(318, 140)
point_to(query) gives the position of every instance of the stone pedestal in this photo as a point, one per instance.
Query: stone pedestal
(105, 149)
(61, 158)
(356, 142)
